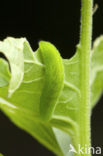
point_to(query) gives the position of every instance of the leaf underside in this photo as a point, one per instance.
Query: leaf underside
(22, 86)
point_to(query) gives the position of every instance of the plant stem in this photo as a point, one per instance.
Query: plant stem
(85, 48)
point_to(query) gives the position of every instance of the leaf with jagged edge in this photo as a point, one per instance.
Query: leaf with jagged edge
(22, 110)
(22, 106)
(97, 71)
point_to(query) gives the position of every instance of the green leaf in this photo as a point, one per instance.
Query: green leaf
(12, 49)
(22, 107)
(4, 73)
(97, 71)
(44, 85)
(26, 121)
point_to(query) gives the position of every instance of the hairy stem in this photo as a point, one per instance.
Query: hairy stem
(85, 48)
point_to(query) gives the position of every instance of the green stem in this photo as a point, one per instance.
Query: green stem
(85, 48)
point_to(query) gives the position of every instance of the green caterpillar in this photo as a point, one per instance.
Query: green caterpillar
(54, 78)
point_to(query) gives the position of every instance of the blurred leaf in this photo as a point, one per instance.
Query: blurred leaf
(4, 73)
(97, 71)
